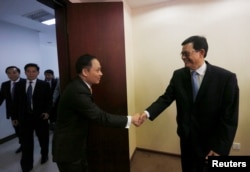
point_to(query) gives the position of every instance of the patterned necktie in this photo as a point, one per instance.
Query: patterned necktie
(13, 90)
(29, 96)
(195, 83)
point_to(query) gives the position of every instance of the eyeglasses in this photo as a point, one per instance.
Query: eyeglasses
(187, 54)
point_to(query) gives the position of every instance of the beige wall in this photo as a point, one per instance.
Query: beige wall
(153, 52)
(153, 36)
(130, 75)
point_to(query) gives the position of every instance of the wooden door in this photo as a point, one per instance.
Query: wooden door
(98, 29)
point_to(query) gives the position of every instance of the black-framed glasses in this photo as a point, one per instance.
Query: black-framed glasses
(187, 54)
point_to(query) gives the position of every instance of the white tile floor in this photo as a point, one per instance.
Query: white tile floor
(10, 161)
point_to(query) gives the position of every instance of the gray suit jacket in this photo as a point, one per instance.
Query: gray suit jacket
(75, 111)
(212, 119)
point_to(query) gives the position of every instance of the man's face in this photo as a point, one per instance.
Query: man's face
(192, 59)
(93, 75)
(48, 76)
(31, 73)
(13, 74)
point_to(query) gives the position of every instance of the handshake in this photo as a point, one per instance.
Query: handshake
(139, 118)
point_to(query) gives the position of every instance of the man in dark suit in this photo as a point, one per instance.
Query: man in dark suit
(50, 78)
(76, 110)
(7, 94)
(33, 103)
(207, 122)
(55, 91)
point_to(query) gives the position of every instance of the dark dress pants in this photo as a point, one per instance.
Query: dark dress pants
(193, 156)
(41, 128)
(17, 132)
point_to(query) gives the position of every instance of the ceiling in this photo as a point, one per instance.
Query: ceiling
(13, 11)
(131, 3)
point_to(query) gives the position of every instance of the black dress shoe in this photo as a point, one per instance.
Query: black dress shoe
(44, 159)
(19, 150)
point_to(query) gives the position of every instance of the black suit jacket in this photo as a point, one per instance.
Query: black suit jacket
(213, 118)
(42, 100)
(53, 84)
(5, 94)
(75, 110)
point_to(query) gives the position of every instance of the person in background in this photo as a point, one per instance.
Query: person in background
(55, 91)
(33, 103)
(76, 110)
(207, 101)
(55, 100)
(7, 94)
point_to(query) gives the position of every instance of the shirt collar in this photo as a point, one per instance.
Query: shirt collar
(87, 84)
(33, 81)
(15, 81)
(201, 70)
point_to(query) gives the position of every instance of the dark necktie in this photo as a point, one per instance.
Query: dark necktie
(195, 83)
(29, 96)
(13, 90)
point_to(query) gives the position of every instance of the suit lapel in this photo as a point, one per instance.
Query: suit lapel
(187, 84)
(8, 91)
(85, 85)
(36, 88)
(22, 88)
(205, 82)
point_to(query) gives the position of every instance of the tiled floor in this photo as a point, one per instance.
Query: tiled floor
(10, 161)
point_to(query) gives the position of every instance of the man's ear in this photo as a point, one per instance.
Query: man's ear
(202, 52)
(85, 72)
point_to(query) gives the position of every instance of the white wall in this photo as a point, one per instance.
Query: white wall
(157, 35)
(49, 60)
(20, 46)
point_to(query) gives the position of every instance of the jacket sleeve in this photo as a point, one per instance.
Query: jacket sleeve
(2, 98)
(80, 99)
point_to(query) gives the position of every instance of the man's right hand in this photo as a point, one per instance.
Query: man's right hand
(15, 122)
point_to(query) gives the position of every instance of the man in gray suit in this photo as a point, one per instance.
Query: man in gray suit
(75, 111)
(207, 121)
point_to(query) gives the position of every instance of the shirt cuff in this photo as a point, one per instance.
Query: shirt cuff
(129, 121)
(147, 113)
